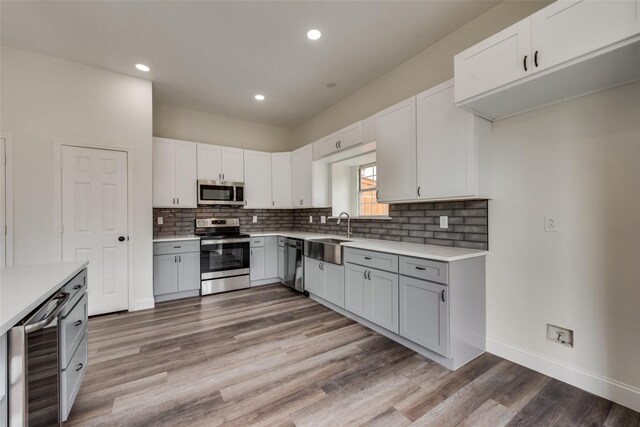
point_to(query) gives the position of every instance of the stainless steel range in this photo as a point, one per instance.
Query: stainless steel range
(224, 255)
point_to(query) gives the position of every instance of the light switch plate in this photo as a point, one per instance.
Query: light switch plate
(160, 220)
(444, 222)
(310, 219)
(323, 219)
(551, 224)
(255, 219)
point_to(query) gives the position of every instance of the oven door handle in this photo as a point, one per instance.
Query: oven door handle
(63, 298)
(217, 242)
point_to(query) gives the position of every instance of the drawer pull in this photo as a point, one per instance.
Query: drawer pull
(77, 323)
(420, 268)
(443, 296)
(76, 287)
(177, 247)
(80, 366)
(367, 258)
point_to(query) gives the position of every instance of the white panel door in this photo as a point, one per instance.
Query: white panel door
(3, 206)
(209, 160)
(566, 30)
(501, 59)
(94, 218)
(446, 152)
(164, 173)
(281, 179)
(302, 176)
(232, 164)
(186, 175)
(396, 151)
(257, 183)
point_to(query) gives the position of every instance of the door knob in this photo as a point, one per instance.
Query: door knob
(121, 239)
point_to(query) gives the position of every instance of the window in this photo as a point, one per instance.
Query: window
(367, 193)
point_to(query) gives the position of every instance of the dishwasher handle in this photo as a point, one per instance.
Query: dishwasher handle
(62, 298)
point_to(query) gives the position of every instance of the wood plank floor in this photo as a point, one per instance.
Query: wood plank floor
(268, 356)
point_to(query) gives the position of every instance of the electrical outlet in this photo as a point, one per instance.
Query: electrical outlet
(310, 219)
(550, 224)
(560, 335)
(323, 219)
(255, 219)
(160, 220)
(444, 222)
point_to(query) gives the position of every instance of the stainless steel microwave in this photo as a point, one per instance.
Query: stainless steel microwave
(220, 193)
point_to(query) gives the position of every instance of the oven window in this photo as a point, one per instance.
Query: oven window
(222, 257)
(216, 192)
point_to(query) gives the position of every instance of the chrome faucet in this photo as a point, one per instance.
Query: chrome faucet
(349, 233)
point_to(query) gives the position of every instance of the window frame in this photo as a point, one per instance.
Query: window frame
(367, 190)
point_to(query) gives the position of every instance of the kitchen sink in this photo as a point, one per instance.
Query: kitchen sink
(327, 250)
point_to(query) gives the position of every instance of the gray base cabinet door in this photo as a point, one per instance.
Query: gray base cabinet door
(354, 292)
(189, 271)
(281, 258)
(383, 288)
(424, 314)
(333, 283)
(313, 277)
(256, 258)
(270, 257)
(165, 274)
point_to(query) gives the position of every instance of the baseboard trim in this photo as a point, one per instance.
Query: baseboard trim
(142, 304)
(272, 281)
(613, 390)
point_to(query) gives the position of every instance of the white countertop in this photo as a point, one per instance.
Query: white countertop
(24, 288)
(176, 238)
(439, 253)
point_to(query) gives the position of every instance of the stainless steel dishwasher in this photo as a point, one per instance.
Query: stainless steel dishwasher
(294, 264)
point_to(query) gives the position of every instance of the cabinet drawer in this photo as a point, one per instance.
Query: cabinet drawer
(425, 269)
(74, 285)
(72, 329)
(257, 242)
(71, 378)
(177, 247)
(378, 260)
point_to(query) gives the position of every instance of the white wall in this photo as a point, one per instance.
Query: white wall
(189, 125)
(578, 161)
(45, 101)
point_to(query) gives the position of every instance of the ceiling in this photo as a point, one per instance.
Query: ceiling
(215, 56)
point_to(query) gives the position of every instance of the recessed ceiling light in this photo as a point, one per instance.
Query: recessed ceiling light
(259, 97)
(314, 34)
(143, 67)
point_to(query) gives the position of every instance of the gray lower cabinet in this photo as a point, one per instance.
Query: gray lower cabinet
(270, 257)
(256, 258)
(373, 295)
(281, 258)
(424, 314)
(176, 275)
(324, 280)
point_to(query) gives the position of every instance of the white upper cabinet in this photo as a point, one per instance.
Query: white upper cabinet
(209, 159)
(302, 177)
(174, 174)
(257, 179)
(396, 151)
(340, 140)
(449, 141)
(565, 30)
(501, 59)
(220, 163)
(232, 165)
(570, 48)
(281, 179)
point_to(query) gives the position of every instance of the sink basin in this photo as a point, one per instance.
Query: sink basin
(327, 250)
